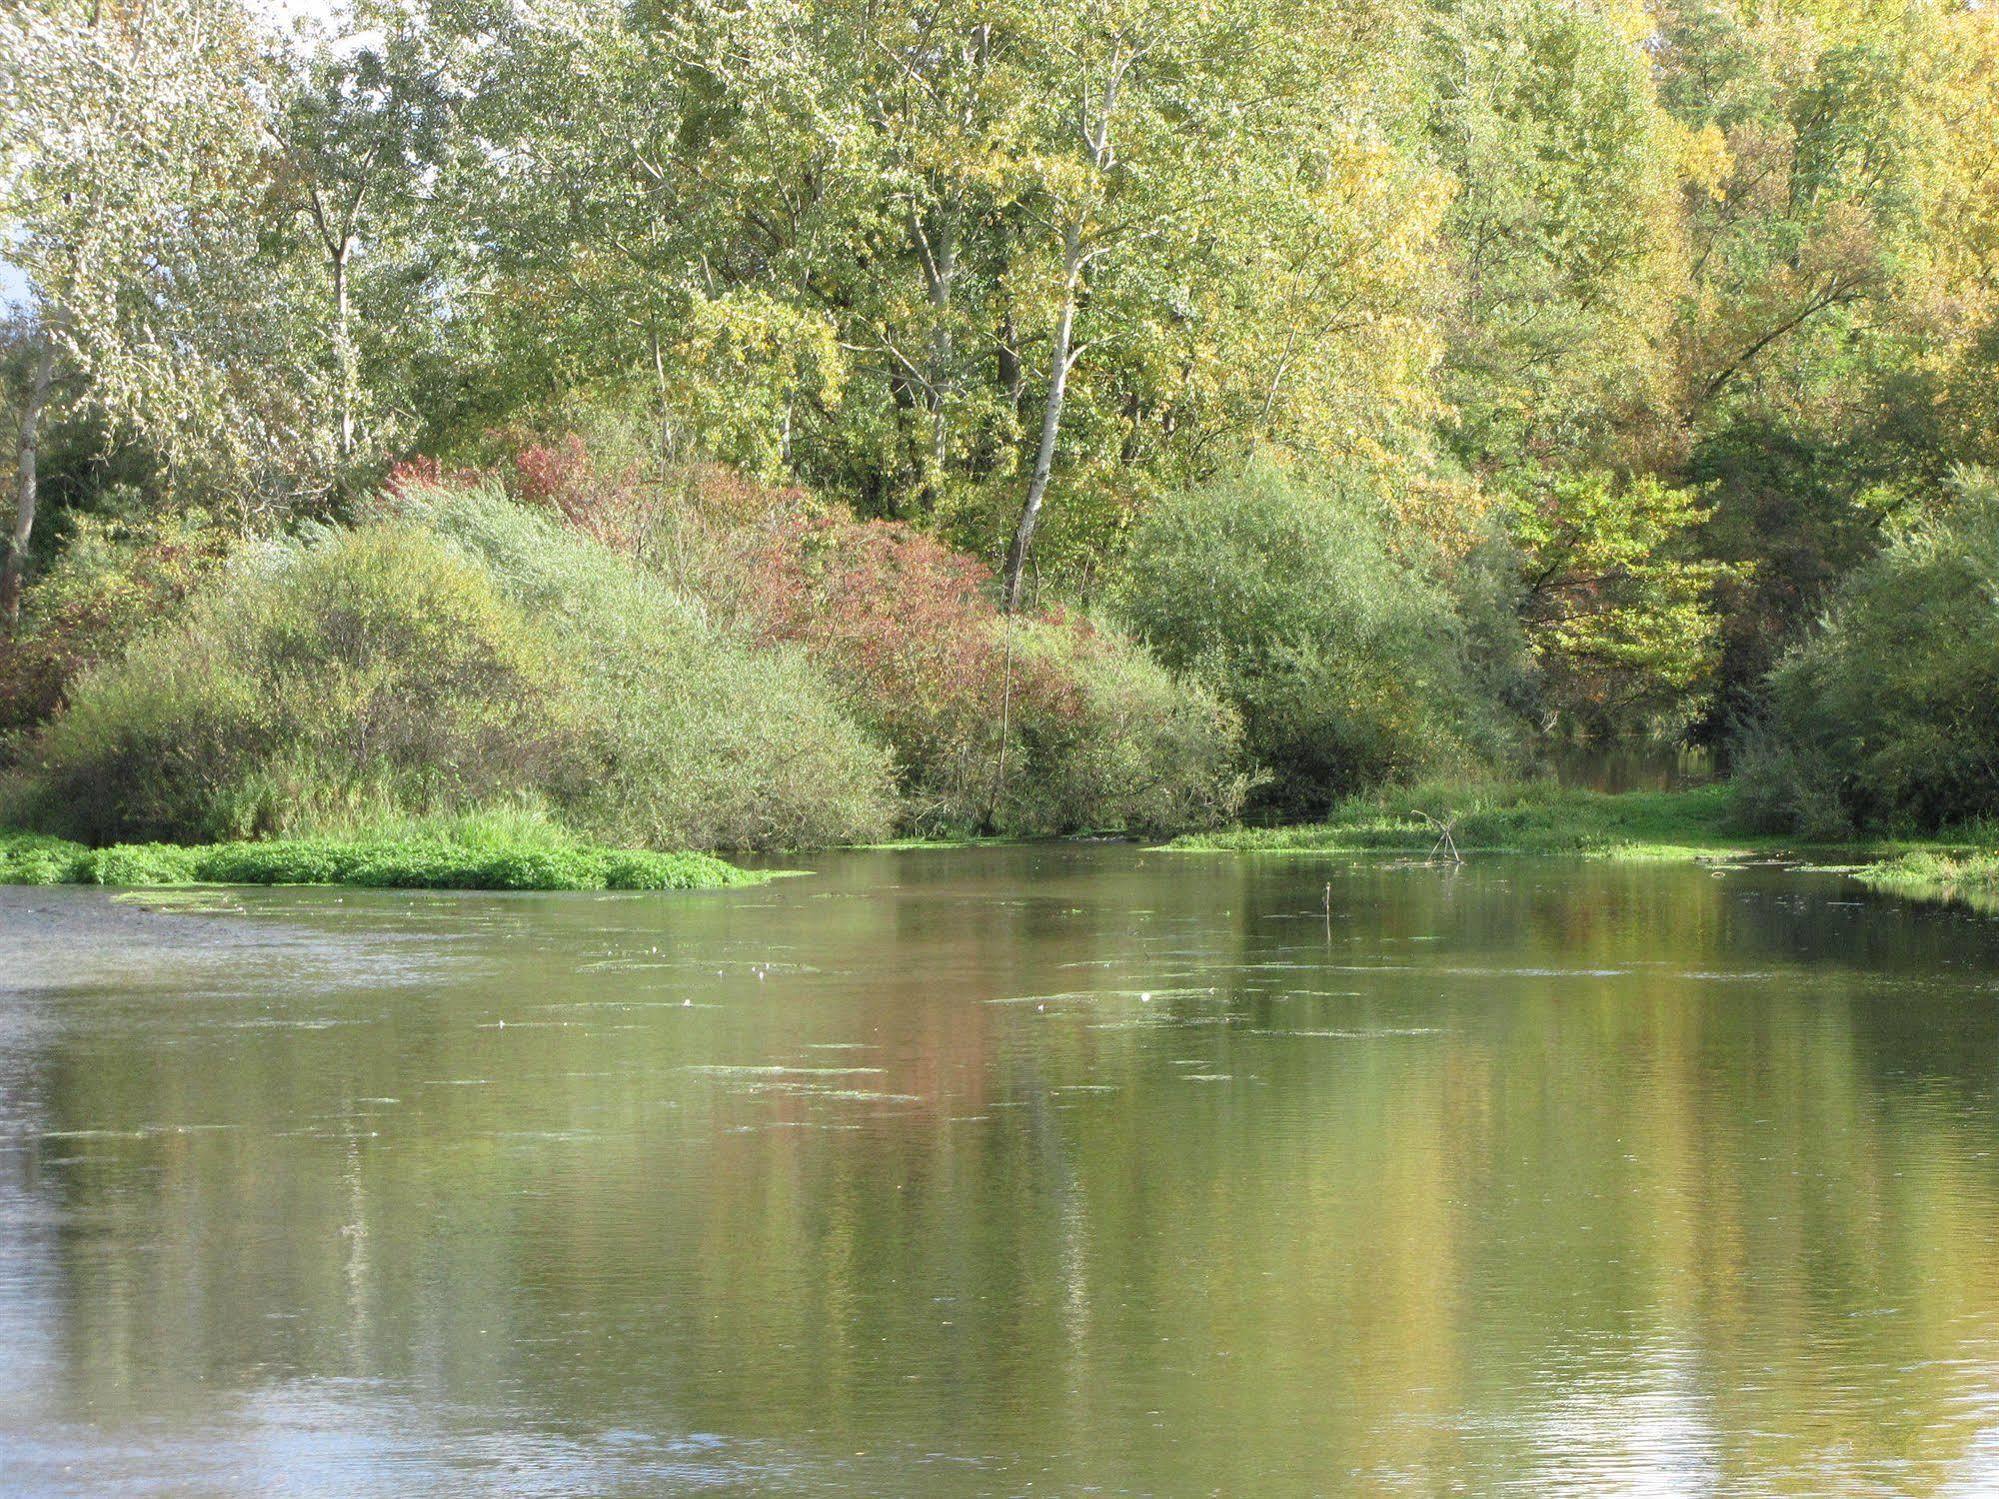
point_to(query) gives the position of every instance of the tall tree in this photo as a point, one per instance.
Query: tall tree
(1560, 228)
(129, 135)
(362, 133)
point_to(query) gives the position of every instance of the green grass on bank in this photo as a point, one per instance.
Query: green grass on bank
(1531, 817)
(1541, 817)
(404, 863)
(1965, 878)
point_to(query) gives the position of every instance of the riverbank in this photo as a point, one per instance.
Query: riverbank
(1513, 817)
(1962, 879)
(430, 863)
(1699, 823)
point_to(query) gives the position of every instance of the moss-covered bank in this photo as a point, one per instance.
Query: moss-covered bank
(380, 863)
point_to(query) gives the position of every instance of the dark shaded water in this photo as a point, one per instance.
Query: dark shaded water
(1052, 1170)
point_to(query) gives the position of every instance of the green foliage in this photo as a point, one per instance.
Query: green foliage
(1560, 230)
(377, 670)
(458, 652)
(1535, 816)
(112, 580)
(690, 736)
(1346, 663)
(1888, 716)
(1960, 878)
(1115, 741)
(1616, 608)
(446, 861)
(962, 266)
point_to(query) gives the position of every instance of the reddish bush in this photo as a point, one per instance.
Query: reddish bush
(419, 471)
(422, 472)
(908, 630)
(617, 506)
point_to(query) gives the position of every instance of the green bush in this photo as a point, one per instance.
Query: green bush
(377, 669)
(1113, 740)
(695, 738)
(1887, 717)
(111, 580)
(1346, 663)
(453, 652)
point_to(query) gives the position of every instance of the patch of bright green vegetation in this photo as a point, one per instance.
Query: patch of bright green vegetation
(1965, 879)
(1532, 817)
(407, 863)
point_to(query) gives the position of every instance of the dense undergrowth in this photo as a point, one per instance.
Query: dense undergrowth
(1887, 717)
(1545, 817)
(719, 667)
(702, 662)
(1962, 878)
(1956, 865)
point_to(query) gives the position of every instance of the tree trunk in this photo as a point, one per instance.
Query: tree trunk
(27, 489)
(1059, 360)
(943, 274)
(344, 347)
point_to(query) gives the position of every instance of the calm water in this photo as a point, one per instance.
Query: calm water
(1056, 1170)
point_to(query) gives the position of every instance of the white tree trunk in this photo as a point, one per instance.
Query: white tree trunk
(27, 486)
(344, 347)
(1061, 357)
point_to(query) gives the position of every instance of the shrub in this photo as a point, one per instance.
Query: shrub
(1346, 664)
(455, 651)
(377, 670)
(111, 580)
(903, 624)
(1028, 726)
(693, 738)
(1888, 716)
(613, 504)
(1113, 740)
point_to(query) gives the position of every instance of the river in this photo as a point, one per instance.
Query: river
(1057, 1169)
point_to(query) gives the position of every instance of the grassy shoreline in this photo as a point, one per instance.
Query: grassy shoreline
(1700, 823)
(383, 863)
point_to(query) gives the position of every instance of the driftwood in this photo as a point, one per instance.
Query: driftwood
(1445, 841)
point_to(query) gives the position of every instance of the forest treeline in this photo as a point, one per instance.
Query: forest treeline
(766, 422)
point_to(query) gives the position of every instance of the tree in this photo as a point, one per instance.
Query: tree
(1007, 221)
(1616, 605)
(363, 128)
(131, 138)
(1560, 230)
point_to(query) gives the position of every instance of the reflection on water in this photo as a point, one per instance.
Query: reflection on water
(1063, 1168)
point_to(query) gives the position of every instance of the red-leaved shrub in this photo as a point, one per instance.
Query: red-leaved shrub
(614, 504)
(909, 633)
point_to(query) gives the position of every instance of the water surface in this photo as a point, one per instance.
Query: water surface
(1024, 1170)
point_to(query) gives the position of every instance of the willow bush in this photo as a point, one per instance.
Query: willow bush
(452, 652)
